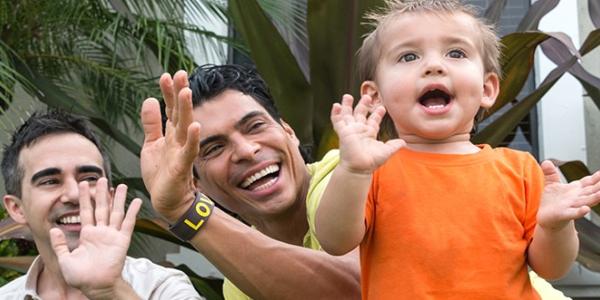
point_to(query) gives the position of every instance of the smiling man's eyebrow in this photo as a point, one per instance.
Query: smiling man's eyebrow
(247, 117)
(44, 173)
(90, 169)
(238, 125)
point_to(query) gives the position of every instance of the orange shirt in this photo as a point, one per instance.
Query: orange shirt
(444, 226)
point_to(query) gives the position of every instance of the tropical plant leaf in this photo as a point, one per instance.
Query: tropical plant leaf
(497, 131)
(494, 11)
(535, 13)
(516, 61)
(556, 50)
(333, 55)
(591, 42)
(292, 95)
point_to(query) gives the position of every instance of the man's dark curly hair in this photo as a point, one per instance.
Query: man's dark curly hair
(208, 81)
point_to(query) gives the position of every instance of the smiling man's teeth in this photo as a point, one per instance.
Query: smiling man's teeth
(266, 185)
(69, 220)
(268, 170)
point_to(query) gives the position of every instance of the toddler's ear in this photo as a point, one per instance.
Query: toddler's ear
(370, 88)
(491, 88)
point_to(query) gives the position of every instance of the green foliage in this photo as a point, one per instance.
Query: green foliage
(98, 59)
(335, 29)
(334, 32)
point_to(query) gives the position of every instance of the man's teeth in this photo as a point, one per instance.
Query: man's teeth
(69, 220)
(268, 170)
(265, 185)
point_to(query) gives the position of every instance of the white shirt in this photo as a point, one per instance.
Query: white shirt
(148, 280)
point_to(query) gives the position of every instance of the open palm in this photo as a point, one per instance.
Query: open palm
(360, 150)
(98, 260)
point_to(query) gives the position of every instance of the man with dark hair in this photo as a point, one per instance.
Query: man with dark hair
(55, 175)
(250, 163)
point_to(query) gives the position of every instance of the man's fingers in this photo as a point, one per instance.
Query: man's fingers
(151, 120)
(184, 114)
(129, 221)
(86, 210)
(118, 207)
(58, 242)
(102, 203)
(180, 81)
(191, 147)
(168, 92)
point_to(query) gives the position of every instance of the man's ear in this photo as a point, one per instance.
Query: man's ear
(491, 88)
(370, 88)
(14, 207)
(288, 129)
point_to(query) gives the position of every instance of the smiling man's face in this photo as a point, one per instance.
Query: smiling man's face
(248, 162)
(52, 168)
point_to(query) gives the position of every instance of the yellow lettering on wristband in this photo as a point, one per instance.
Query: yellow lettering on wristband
(192, 225)
(202, 209)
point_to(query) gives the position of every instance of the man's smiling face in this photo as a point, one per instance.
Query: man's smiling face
(248, 162)
(52, 168)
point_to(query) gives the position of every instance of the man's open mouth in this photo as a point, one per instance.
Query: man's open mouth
(261, 179)
(435, 99)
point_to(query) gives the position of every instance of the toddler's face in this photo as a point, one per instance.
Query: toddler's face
(430, 76)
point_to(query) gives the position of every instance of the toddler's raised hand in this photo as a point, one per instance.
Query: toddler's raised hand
(563, 202)
(360, 151)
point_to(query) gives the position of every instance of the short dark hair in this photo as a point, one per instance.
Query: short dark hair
(208, 81)
(37, 126)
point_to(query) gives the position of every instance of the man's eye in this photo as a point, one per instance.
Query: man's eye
(49, 181)
(90, 179)
(211, 150)
(408, 57)
(457, 53)
(255, 126)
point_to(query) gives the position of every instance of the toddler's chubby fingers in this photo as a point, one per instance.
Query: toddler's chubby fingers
(376, 116)
(591, 180)
(347, 101)
(362, 108)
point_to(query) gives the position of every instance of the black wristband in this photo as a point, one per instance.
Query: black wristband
(193, 219)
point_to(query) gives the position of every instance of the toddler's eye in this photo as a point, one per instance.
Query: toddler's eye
(408, 57)
(456, 53)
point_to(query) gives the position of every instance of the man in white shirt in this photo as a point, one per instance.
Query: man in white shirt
(55, 176)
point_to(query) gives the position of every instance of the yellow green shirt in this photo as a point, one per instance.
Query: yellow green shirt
(320, 173)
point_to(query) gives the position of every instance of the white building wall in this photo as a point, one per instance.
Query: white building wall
(561, 111)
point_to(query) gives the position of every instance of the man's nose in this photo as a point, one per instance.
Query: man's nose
(244, 149)
(70, 191)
